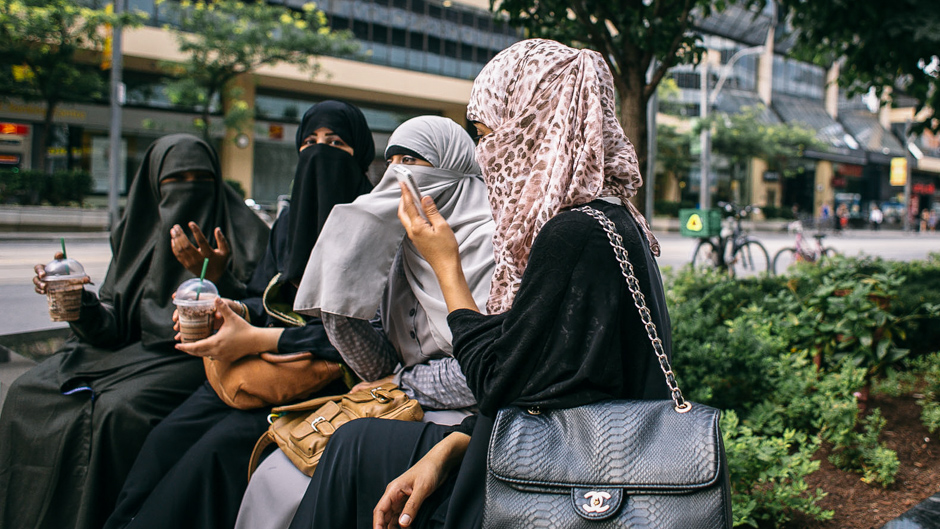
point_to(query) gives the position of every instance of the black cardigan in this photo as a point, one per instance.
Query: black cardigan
(572, 336)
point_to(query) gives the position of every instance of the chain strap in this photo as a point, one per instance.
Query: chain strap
(616, 242)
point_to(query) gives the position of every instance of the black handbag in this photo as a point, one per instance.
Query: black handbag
(617, 463)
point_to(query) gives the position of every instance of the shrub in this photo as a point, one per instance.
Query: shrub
(35, 187)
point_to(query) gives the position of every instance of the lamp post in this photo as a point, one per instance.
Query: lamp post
(707, 100)
(117, 100)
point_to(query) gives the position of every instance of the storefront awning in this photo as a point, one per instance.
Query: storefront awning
(731, 101)
(879, 143)
(840, 145)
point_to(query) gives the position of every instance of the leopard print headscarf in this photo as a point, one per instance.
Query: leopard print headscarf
(556, 143)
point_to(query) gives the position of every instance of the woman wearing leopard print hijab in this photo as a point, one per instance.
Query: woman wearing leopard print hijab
(562, 329)
(546, 154)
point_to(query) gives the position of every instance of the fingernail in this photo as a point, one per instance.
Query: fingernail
(405, 519)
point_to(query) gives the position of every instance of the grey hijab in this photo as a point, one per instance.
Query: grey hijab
(350, 263)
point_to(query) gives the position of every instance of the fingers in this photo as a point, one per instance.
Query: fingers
(409, 208)
(39, 286)
(224, 310)
(430, 210)
(220, 239)
(410, 511)
(201, 240)
(180, 244)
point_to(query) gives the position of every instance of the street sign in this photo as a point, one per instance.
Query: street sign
(898, 171)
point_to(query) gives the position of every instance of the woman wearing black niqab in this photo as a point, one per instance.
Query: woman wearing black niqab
(192, 470)
(71, 426)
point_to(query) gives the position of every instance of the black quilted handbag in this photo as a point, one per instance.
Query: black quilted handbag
(620, 463)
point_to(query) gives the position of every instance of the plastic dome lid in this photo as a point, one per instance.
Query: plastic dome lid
(188, 291)
(64, 269)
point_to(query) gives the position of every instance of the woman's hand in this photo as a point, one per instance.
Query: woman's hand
(438, 245)
(399, 506)
(238, 308)
(374, 384)
(191, 257)
(39, 281)
(235, 339)
(433, 237)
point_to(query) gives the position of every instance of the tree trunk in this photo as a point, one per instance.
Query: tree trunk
(46, 134)
(633, 120)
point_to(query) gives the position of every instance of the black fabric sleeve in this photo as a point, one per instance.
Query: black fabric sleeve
(465, 427)
(495, 352)
(97, 323)
(311, 337)
(573, 334)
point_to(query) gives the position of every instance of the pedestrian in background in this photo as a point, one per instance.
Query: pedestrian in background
(876, 217)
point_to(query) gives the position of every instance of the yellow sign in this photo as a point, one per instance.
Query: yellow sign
(694, 223)
(898, 171)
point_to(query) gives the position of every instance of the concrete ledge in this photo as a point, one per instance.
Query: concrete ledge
(35, 345)
(45, 218)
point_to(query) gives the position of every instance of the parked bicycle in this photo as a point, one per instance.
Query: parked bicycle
(803, 251)
(733, 250)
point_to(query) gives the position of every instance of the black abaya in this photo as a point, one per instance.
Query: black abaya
(71, 427)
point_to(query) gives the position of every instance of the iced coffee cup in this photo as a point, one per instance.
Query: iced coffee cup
(195, 303)
(64, 284)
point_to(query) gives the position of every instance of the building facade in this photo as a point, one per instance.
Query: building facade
(417, 57)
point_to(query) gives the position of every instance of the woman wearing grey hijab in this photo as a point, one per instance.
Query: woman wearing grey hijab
(364, 240)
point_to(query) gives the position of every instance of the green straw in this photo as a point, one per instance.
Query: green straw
(62, 241)
(202, 277)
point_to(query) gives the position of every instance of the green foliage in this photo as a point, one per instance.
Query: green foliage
(928, 367)
(861, 450)
(673, 153)
(769, 474)
(884, 46)
(743, 136)
(38, 187)
(747, 347)
(224, 39)
(40, 41)
(670, 208)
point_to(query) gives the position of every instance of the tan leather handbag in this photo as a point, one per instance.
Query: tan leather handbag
(302, 430)
(269, 379)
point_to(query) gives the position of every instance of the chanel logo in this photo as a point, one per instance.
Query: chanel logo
(595, 502)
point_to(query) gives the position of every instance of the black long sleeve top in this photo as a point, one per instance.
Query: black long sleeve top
(572, 336)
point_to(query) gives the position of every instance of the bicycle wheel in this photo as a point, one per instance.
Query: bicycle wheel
(784, 259)
(706, 256)
(750, 259)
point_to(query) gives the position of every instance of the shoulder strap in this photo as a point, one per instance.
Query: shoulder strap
(616, 242)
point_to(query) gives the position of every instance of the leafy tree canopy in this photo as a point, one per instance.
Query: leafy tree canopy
(41, 42)
(743, 136)
(224, 39)
(881, 45)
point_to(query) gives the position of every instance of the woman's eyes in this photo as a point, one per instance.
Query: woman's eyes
(337, 143)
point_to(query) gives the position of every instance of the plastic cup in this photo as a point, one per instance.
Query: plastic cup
(65, 280)
(195, 315)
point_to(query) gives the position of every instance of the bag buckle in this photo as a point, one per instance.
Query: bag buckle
(380, 395)
(315, 422)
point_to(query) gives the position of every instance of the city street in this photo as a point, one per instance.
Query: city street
(23, 310)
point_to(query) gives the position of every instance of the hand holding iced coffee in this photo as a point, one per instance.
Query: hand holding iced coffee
(62, 281)
(195, 305)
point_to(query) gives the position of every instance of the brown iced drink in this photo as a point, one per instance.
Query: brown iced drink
(65, 298)
(196, 318)
(64, 280)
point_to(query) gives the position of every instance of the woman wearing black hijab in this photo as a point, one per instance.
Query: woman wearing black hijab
(71, 426)
(192, 470)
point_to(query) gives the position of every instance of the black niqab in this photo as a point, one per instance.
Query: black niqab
(144, 273)
(325, 176)
(347, 122)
